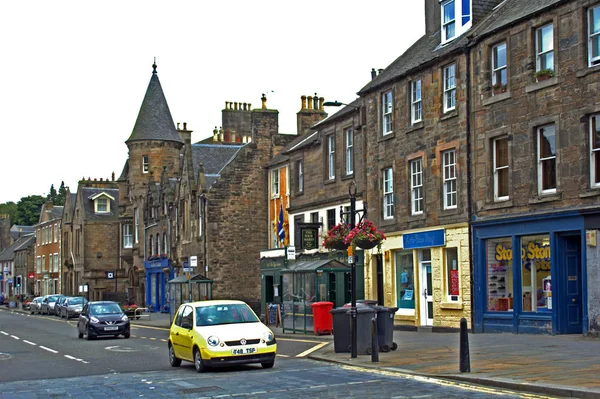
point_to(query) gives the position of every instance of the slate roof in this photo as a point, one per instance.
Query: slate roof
(56, 212)
(17, 230)
(88, 204)
(213, 157)
(9, 253)
(125, 171)
(154, 121)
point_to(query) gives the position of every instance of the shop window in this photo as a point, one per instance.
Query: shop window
(498, 282)
(405, 281)
(535, 273)
(452, 274)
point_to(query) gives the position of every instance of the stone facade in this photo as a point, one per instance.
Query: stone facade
(47, 250)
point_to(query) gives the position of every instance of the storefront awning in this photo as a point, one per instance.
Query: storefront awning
(313, 265)
(197, 278)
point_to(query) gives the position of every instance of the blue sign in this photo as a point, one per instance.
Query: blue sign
(425, 239)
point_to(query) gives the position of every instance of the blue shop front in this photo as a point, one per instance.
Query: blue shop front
(530, 274)
(158, 273)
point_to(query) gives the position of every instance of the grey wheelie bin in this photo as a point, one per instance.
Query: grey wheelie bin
(341, 329)
(385, 328)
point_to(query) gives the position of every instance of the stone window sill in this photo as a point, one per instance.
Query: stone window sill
(496, 98)
(586, 71)
(449, 115)
(541, 85)
(388, 136)
(590, 193)
(498, 205)
(414, 128)
(546, 198)
(331, 181)
(415, 218)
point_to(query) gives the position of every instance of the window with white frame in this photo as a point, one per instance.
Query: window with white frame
(416, 186)
(595, 150)
(56, 232)
(165, 243)
(200, 215)
(449, 167)
(544, 47)
(456, 18)
(416, 114)
(136, 218)
(275, 183)
(449, 87)
(145, 163)
(44, 268)
(348, 135)
(500, 162)
(56, 263)
(102, 205)
(151, 246)
(388, 193)
(127, 236)
(386, 116)
(546, 146)
(38, 264)
(499, 71)
(331, 157)
(452, 274)
(158, 244)
(594, 36)
(300, 168)
(56, 286)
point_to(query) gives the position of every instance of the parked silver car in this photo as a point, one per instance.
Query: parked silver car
(59, 304)
(36, 305)
(48, 304)
(72, 306)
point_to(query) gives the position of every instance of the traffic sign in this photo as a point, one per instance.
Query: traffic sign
(193, 261)
(110, 275)
(187, 269)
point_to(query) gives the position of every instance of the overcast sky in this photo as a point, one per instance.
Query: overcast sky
(74, 73)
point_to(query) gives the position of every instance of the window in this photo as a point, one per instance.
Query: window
(536, 267)
(56, 263)
(137, 224)
(331, 157)
(127, 236)
(102, 205)
(165, 243)
(56, 232)
(449, 87)
(38, 264)
(275, 183)
(405, 282)
(158, 242)
(44, 268)
(388, 194)
(416, 186)
(595, 150)
(151, 246)
(416, 103)
(544, 39)
(499, 77)
(314, 217)
(500, 162)
(386, 106)
(330, 218)
(594, 35)
(452, 274)
(300, 167)
(449, 165)
(451, 27)
(546, 138)
(349, 151)
(499, 274)
(200, 216)
(145, 163)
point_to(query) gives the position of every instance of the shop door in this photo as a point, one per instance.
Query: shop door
(426, 294)
(380, 297)
(570, 275)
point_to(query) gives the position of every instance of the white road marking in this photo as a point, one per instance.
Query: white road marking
(70, 357)
(279, 355)
(29, 342)
(48, 349)
(5, 333)
(311, 350)
(15, 337)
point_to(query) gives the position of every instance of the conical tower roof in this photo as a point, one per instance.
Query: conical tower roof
(154, 121)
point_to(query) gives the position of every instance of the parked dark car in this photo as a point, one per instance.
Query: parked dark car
(59, 304)
(36, 305)
(26, 301)
(49, 302)
(102, 318)
(72, 306)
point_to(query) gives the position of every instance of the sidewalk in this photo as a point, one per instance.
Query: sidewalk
(561, 365)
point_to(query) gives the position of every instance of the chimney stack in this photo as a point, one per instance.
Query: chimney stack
(373, 73)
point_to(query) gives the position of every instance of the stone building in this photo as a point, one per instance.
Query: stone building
(536, 181)
(24, 255)
(68, 276)
(47, 250)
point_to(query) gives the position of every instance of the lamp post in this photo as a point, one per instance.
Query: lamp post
(351, 256)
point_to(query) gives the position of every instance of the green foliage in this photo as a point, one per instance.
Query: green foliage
(62, 195)
(544, 73)
(10, 209)
(52, 194)
(28, 210)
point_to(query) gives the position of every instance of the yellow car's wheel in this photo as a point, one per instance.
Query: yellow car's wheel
(198, 363)
(268, 365)
(175, 362)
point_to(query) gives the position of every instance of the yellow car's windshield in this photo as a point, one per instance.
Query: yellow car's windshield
(224, 314)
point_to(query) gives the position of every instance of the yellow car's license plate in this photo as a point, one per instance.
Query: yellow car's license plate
(242, 351)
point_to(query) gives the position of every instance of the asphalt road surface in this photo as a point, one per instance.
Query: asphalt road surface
(41, 357)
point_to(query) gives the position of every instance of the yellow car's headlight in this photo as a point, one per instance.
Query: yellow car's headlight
(268, 336)
(213, 341)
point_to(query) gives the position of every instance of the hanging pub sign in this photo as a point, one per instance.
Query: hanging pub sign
(310, 237)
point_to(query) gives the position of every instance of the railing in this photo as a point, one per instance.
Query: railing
(141, 313)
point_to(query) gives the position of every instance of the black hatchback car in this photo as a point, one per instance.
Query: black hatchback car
(102, 318)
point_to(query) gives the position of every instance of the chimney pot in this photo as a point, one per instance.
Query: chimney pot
(310, 102)
(316, 102)
(303, 98)
(373, 73)
(321, 101)
(264, 101)
(380, 70)
(177, 125)
(184, 125)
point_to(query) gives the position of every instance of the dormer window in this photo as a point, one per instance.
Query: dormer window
(145, 163)
(102, 202)
(456, 18)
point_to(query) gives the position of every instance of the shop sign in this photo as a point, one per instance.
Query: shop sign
(533, 251)
(31, 275)
(309, 238)
(454, 282)
(424, 239)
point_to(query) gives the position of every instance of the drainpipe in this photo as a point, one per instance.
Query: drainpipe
(469, 183)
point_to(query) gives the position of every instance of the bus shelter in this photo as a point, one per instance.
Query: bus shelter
(307, 282)
(180, 288)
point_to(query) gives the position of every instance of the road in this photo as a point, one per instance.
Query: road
(41, 357)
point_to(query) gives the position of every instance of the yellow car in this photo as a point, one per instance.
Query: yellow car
(220, 333)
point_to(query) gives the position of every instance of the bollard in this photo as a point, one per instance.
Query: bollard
(465, 362)
(374, 340)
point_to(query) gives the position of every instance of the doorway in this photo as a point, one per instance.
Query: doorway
(380, 297)
(426, 308)
(569, 275)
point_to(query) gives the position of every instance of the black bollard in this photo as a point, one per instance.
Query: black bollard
(465, 362)
(374, 340)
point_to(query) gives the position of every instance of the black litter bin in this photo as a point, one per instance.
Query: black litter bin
(341, 329)
(385, 328)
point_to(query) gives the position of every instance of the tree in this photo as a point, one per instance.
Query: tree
(28, 210)
(62, 195)
(10, 209)
(52, 195)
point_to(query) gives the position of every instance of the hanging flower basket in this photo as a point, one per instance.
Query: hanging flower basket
(335, 237)
(366, 236)
(366, 244)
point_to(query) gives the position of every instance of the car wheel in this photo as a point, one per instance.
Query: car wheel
(268, 365)
(198, 362)
(175, 362)
(88, 334)
(127, 334)
(79, 334)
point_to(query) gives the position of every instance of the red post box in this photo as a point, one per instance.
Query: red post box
(323, 321)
